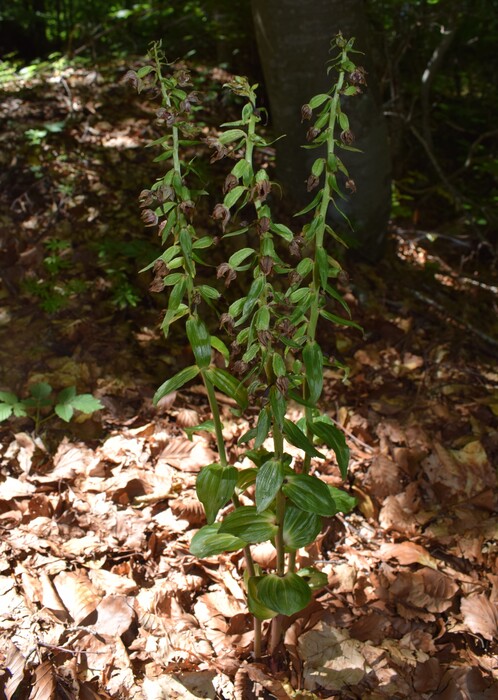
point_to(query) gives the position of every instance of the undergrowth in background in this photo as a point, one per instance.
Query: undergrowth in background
(266, 342)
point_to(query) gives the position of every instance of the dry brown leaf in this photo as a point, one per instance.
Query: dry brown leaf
(259, 674)
(407, 553)
(49, 598)
(115, 615)
(371, 628)
(383, 478)
(43, 686)
(77, 594)
(15, 488)
(480, 615)
(15, 663)
(107, 582)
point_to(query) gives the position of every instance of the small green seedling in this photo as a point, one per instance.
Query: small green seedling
(42, 405)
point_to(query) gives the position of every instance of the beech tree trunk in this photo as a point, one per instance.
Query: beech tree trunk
(293, 38)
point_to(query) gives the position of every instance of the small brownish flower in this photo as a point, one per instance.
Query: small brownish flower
(358, 76)
(306, 113)
(264, 338)
(285, 327)
(182, 77)
(294, 277)
(235, 347)
(220, 151)
(188, 208)
(160, 272)
(164, 193)
(227, 322)
(149, 217)
(351, 185)
(347, 137)
(312, 182)
(263, 225)
(295, 246)
(221, 214)
(312, 133)
(186, 104)
(224, 270)
(168, 116)
(343, 277)
(230, 182)
(146, 198)
(266, 264)
(132, 78)
(262, 189)
(240, 367)
(282, 385)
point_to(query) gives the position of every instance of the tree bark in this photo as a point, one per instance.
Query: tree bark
(293, 40)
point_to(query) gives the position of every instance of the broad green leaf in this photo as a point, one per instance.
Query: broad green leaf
(64, 411)
(285, 594)
(231, 135)
(201, 243)
(344, 501)
(238, 258)
(252, 297)
(42, 390)
(314, 578)
(297, 438)
(215, 486)
(241, 168)
(5, 411)
(268, 482)
(176, 382)
(313, 363)
(335, 439)
(208, 542)
(228, 384)
(262, 428)
(300, 527)
(233, 196)
(200, 341)
(220, 346)
(282, 231)
(8, 397)
(86, 403)
(310, 494)
(207, 426)
(278, 407)
(246, 478)
(252, 527)
(318, 100)
(254, 603)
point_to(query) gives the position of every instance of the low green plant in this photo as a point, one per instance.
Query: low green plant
(267, 337)
(43, 404)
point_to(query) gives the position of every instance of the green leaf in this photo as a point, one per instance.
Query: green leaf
(318, 100)
(344, 501)
(304, 267)
(262, 319)
(282, 231)
(233, 196)
(262, 428)
(207, 292)
(5, 411)
(340, 321)
(246, 478)
(220, 346)
(254, 603)
(255, 290)
(8, 397)
(297, 438)
(231, 135)
(86, 403)
(252, 527)
(300, 527)
(343, 121)
(42, 390)
(314, 578)
(208, 542)
(313, 363)
(268, 482)
(323, 266)
(207, 426)
(200, 341)
(311, 205)
(278, 406)
(278, 365)
(229, 385)
(215, 486)
(176, 382)
(310, 494)
(335, 439)
(238, 258)
(64, 411)
(285, 594)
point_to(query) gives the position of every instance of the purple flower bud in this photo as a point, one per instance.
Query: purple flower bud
(221, 214)
(146, 198)
(149, 217)
(312, 133)
(306, 113)
(312, 182)
(347, 137)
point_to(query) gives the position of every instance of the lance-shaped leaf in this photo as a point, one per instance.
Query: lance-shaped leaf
(285, 594)
(300, 527)
(215, 486)
(297, 438)
(240, 256)
(268, 482)
(314, 578)
(313, 364)
(262, 428)
(176, 382)
(254, 603)
(323, 266)
(245, 522)
(228, 384)
(344, 502)
(200, 341)
(208, 542)
(333, 438)
(310, 494)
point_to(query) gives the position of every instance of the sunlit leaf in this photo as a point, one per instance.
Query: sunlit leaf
(176, 382)
(285, 594)
(313, 363)
(268, 482)
(208, 542)
(297, 438)
(310, 494)
(300, 527)
(215, 486)
(245, 522)
(200, 341)
(334, 438)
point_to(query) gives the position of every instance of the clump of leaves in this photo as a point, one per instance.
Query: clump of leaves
(267, 337)
(43, 404)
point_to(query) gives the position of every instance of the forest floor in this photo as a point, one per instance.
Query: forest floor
(99, 596)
